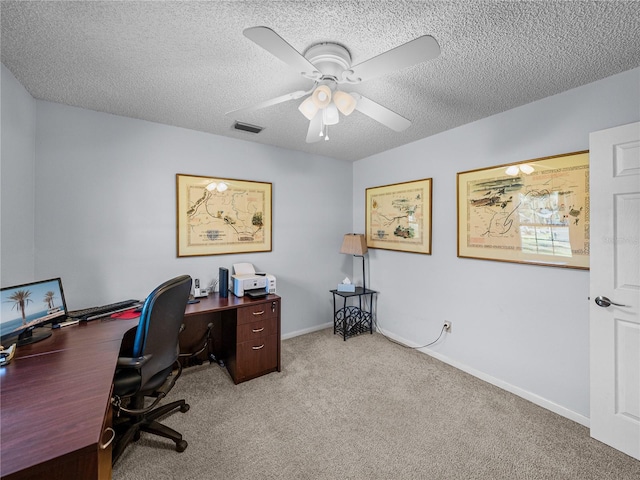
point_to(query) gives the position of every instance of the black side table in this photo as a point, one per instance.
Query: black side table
(351, 320)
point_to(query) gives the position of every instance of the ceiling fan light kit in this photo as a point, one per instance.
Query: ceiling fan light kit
(330, 115)
(321, 99)
(345, 102)
(321, 96)
(308, 108)
(329, 65)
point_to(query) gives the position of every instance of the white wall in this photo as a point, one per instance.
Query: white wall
(523, 327)
(17, 163)
(106, 216)
(105, 206)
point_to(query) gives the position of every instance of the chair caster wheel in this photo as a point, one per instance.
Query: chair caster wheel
(181, 446)
(185, 408)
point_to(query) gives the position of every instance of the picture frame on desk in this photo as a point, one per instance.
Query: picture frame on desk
(218, 216)
(532, 212)
(398, 216)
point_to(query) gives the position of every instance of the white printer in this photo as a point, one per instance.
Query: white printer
(245, 280)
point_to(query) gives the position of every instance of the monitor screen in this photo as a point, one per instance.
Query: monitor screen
(28, 306)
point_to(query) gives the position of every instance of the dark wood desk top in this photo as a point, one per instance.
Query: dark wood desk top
(215, 302)
(54, 393)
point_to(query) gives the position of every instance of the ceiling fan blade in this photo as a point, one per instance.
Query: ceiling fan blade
(411, 53)
(381, 114)
(278, 47)
(269, 103)
(315, 128)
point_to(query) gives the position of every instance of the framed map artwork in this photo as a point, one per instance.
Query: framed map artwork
(220, 215)
(534, 212)
(398, 216)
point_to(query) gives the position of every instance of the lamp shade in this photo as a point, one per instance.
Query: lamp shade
(321, 96)
(308, 108)
(354, 244)
(330, 115)
(345, 102)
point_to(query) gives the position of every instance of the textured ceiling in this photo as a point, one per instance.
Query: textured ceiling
(187, 63)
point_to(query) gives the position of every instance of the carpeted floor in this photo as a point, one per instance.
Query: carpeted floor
(365, 409)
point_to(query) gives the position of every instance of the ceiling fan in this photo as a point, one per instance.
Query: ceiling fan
(329, 66)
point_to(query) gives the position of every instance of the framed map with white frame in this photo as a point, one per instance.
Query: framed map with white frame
(398, 216)
(220, 215)
(534, 212)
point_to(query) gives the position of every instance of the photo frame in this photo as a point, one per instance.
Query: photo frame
(398, 216)
(533, 212)
(218, 216)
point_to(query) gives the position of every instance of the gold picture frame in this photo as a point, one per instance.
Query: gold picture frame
(218, 216)
(398, 216)
(533, 212)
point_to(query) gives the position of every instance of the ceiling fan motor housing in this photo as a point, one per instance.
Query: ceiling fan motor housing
(331, 59)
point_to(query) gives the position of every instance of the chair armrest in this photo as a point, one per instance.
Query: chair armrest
(128, 362)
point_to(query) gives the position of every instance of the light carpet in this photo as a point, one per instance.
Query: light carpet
(365, 409)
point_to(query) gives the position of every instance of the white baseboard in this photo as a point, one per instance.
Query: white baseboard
(532, 397)
(304, 331)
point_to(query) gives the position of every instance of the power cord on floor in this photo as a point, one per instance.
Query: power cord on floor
(375, 325)
(442, 330)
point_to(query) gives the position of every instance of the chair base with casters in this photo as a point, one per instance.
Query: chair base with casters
(132, 417)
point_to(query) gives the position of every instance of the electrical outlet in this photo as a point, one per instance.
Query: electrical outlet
(447, 326)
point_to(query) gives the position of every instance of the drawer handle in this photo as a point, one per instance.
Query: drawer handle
(257, 330)
(258, 313)
(258, 348)
(103, 446)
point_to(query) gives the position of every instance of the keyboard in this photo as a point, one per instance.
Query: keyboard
(93, 313)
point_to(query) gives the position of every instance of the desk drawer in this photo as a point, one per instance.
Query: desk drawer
(259, 311)
(257, 357)
(255, 330)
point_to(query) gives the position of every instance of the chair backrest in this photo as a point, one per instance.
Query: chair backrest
(159, 325)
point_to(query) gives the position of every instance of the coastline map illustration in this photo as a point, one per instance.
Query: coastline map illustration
(398, 217)
(540, 215)
(223, 220)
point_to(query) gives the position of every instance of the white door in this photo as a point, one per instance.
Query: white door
(615, 287)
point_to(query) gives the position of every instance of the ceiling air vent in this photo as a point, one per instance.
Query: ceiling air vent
(245, 127)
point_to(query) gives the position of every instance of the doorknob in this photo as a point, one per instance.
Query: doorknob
(605, 302)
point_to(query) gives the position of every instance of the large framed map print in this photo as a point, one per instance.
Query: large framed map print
(220, 215)
(398, 216)
(534, 212)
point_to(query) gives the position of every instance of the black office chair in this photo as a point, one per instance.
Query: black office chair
(151, 368)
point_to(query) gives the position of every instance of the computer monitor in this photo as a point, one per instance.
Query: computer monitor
(29, 306)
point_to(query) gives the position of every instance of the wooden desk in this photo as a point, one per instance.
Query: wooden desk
(246, 332)
(55, 414)
(55, 399)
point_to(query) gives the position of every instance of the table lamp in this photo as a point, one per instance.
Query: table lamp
(355, 244)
